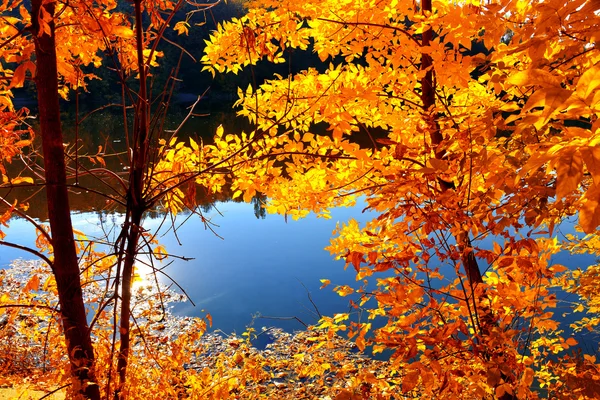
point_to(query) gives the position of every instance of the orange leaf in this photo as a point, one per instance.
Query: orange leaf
(122, 31)
(505, 261)
(18, 77)
(355, 258)
(571, 341)
(33, 284)
(493, 377)
(589, 213)
(410, 381)
(569, 169)
(591, 157)
(347, 395)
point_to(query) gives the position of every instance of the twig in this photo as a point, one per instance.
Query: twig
(54, 391)
(284, 318)
(29, 250)
(310, 298)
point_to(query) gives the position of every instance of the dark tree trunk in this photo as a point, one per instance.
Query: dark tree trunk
(136, 205)
(428, 99)
(65, 265)
(470, 264)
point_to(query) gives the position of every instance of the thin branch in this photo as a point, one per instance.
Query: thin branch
(310, 298)
(284, 319)
(385, 26)
(29, 250)
(54, 391)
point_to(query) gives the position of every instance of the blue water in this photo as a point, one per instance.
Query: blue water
(261, 266)
(256, 266)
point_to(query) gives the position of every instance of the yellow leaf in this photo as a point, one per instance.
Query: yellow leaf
(21, 179)
(569, 170)
(588, 82)
(534, 77)
(551, 99)
(181, 27)
(193, 144)
(160, 252)
(50, 284)
(337, 318)
(325, 283)
(122, 31)
(344, 290)
(589, 213)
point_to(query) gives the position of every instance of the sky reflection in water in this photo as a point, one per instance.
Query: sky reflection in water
(259, 265)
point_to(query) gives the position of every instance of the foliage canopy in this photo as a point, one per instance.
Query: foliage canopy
(483, 125)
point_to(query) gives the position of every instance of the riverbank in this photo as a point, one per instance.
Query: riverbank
(290, 364)
(25, 392)
(175, 353)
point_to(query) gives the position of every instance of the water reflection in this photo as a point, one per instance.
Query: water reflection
(104, 133)
(255, 265)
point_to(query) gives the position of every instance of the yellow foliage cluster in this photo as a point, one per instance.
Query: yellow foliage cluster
(469, 185)
(476, 177)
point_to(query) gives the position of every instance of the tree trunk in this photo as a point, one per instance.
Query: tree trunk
(136, 205)
(132, 235)
(65, 266)
(473, 273)
(428, 99)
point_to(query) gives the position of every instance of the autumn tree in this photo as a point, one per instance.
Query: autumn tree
(54, 44)
(475, 161)
(484, 155)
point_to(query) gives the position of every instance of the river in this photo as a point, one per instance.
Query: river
(255, 264)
